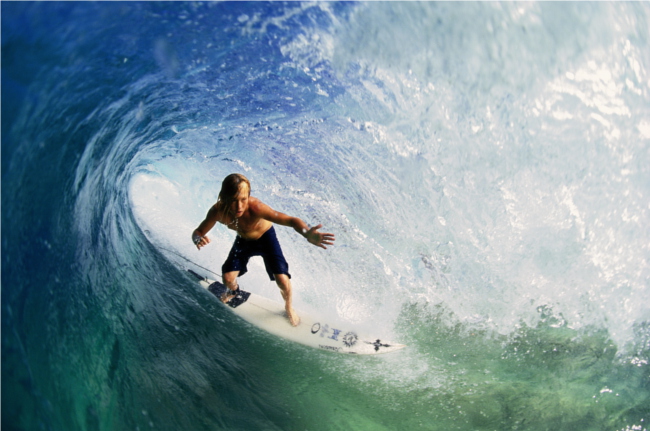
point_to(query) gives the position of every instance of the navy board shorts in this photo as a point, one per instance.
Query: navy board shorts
(266, 246)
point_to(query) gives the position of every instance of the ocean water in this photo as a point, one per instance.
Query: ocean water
(484, 166)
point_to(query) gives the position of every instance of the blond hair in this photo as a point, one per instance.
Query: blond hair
(230, 189)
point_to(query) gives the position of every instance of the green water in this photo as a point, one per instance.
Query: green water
(452, 378)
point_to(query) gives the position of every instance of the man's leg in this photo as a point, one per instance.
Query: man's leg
(284, 283)
(230, 280)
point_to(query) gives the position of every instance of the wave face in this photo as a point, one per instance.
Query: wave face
(484, 166)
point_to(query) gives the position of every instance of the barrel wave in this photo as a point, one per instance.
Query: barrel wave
(484, 166)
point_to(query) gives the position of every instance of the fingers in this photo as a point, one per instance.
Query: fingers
(322, 238)
(323, 235)
(328, 238)
(203, 242)
(325, 239)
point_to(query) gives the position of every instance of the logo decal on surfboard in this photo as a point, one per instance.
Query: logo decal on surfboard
(349, 339)
(378, 344)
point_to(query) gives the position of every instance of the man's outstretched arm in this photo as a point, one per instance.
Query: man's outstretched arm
(319, 239)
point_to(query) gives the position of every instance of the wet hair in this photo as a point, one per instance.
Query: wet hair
(230, 188)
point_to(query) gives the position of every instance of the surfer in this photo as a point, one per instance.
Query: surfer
(253, 221)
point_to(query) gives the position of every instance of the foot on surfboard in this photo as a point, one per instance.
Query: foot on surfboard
(228, 295)
(293, 317)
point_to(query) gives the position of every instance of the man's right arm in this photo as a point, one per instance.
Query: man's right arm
(199, 237)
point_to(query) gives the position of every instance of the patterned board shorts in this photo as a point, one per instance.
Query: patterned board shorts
(266, 246)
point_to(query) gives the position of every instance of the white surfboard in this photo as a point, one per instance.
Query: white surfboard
(322, 334)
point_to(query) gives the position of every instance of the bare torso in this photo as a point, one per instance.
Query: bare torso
(250, 225)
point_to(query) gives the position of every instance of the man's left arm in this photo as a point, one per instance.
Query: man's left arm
(320, 239)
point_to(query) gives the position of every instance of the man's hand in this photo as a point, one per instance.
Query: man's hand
(319, 239)
(200, 241)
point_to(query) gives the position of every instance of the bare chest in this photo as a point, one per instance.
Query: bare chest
(248, 228)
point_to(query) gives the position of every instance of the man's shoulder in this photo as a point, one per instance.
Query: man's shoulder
(216, 212)
(255, 203)
(257, 208)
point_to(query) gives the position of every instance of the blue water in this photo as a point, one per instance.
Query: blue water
(485, 167)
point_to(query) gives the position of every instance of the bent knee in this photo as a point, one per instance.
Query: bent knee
(282, 280)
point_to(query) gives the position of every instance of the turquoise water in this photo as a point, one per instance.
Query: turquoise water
(483, 165)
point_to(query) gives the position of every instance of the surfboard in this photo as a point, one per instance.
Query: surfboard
(322, 334)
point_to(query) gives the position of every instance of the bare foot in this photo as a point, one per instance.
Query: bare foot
(293, 317)
(226, 297)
